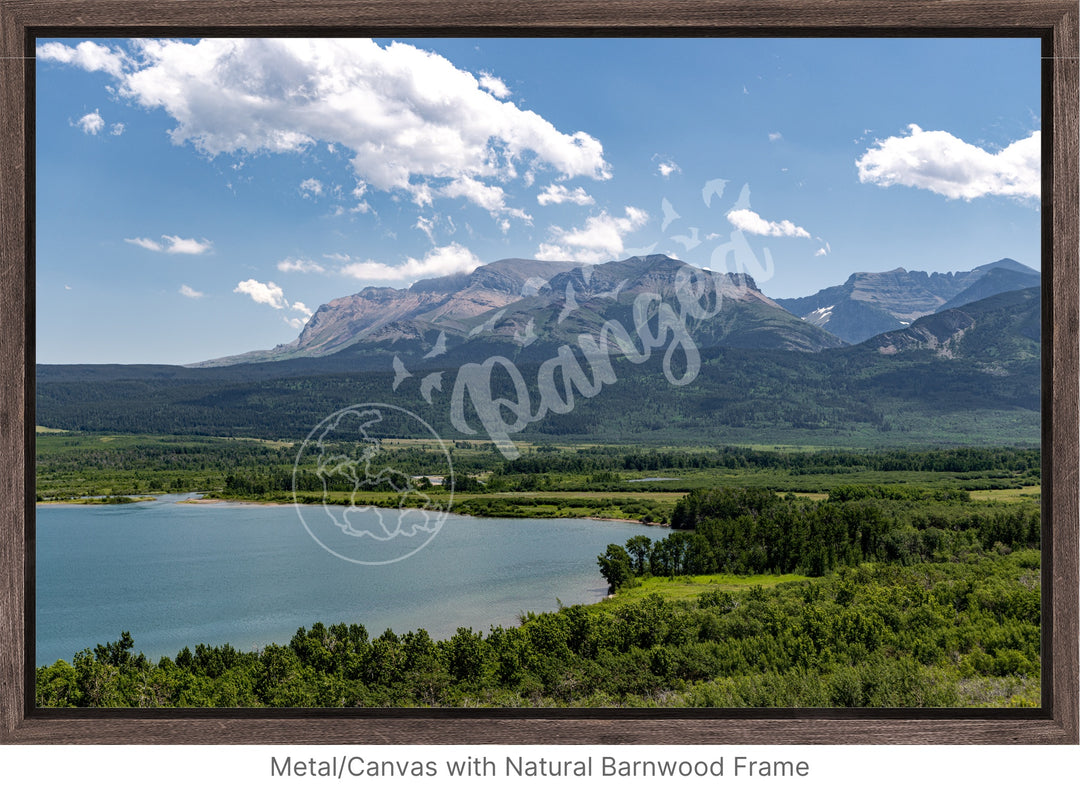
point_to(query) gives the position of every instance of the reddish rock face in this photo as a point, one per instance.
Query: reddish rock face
(523, 299)
(376, 313)
(520, 301)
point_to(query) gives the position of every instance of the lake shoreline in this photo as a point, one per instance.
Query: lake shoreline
(95, 502)
(220, 501)
(161, 573)
(274, 503)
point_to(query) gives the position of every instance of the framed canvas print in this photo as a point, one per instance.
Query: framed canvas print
(468, 374)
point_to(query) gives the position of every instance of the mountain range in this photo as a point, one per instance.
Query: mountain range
(957, 363)
(536, 304)
(526, 300)
(868, 303)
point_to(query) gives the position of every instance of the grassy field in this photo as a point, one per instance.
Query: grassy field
(1022, 494)
(691, 587)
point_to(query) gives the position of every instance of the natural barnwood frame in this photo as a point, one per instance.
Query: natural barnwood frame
(1054, 21)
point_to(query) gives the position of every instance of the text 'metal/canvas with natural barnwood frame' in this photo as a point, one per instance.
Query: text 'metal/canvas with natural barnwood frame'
(578, 315)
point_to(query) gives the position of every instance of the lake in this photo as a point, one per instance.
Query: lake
(177, 575)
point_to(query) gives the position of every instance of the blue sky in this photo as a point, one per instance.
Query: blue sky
(197, 199)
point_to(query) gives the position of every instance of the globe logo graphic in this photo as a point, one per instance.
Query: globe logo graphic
(347, 454)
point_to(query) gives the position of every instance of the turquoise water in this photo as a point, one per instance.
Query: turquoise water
(176, 575)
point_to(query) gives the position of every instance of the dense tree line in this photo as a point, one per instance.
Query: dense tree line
(941, 634)
(599, 459)
(66, 453)
(165, 455)
(811, 397)
(756, 531)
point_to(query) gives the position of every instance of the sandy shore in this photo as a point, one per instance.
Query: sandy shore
(258, 503)
(193, 501)
(94, 501)
(202, 501)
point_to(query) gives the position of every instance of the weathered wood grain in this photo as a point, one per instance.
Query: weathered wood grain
(465, 17)
(1061, 379)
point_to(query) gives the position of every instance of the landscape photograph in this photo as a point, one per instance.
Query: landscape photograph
(538, 373)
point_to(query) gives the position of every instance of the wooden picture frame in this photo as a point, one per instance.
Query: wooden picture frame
(1053, 21)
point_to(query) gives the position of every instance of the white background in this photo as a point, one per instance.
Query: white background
(835, 771)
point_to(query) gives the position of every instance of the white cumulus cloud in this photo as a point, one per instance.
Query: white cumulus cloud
(173, 245)
(90, 56)
(413, 121)
(448, 260)
(942, 163)
(746, 220)
(92, 123)
(263, 293)
(556, 194)
(600, 239)
(273, 295)
(188, 291)
(490, 198)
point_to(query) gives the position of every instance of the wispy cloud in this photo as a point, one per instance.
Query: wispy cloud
(173, 245)
(427, 226)
(299, 265)
(311, 188)
(556, 194)
(666, 167)
(942, 163)
(746, 220)
(188, 291)
(491, 198)
(494, 85)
